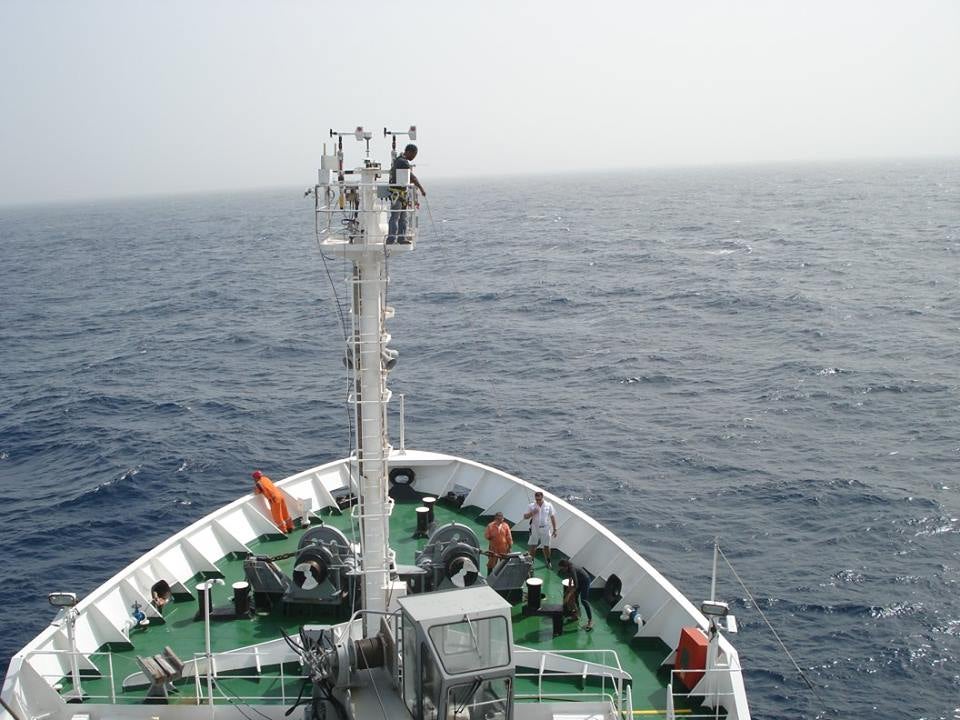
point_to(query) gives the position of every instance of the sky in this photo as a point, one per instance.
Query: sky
(112, 98)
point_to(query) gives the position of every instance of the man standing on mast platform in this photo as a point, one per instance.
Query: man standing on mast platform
(399, 202)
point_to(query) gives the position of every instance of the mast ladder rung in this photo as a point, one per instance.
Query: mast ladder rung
(382, 516)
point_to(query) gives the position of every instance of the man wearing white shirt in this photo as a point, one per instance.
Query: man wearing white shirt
(539, 513)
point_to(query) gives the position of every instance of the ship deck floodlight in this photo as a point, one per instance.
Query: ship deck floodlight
(712, 608)
(62, 599)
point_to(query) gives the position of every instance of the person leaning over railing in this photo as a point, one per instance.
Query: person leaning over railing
(262, 485)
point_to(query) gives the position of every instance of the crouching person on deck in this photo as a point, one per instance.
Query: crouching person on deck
(578, 591)
(262, 485)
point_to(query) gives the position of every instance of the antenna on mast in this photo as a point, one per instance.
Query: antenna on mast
(411, 133)
(359, 133)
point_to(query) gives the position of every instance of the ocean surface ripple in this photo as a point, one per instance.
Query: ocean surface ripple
(764, 354)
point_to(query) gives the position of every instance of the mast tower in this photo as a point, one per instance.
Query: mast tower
(365, 197)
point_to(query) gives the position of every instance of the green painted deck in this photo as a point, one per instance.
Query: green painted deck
(640, 657)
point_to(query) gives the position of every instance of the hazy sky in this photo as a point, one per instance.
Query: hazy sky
(104, 99)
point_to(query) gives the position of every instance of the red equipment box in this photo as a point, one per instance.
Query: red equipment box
(691, 656)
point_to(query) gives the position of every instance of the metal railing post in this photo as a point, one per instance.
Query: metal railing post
(403, 442)
(113, 687)
(543, 661)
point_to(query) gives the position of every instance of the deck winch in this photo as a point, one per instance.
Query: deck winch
(324, 571)
(330, 659)
(451, 558)
(510, 573)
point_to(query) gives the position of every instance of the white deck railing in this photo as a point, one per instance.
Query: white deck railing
(615, 694)
(714, 700)
(58, 680)
(338, 204)
(220, 682)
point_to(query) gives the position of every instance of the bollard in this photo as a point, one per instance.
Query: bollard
(423, 522)
(534, 594)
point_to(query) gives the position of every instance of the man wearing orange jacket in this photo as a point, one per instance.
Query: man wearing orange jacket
(278, 506)
(501, 540)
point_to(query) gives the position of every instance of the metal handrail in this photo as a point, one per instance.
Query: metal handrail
(615, 707)
(616, 681)
(714, 696)
(381, 202)
(586, 651)
(256, 676)
(330, 195)
(55, 679)
(198, 676)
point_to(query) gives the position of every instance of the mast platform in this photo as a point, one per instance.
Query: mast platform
(352, 249)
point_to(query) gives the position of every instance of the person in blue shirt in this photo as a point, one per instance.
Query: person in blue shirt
(399, 201)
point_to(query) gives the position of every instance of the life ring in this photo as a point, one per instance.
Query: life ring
(408, 475)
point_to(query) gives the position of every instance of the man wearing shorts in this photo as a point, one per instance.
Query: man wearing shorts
(541, 514)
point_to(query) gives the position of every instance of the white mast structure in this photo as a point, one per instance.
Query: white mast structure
(361, 238)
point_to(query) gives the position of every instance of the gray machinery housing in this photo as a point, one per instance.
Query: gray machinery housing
(324, 573)
(448, 655)
(451, 559)
(510, 574)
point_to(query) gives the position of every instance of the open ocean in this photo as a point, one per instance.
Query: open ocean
(768, 354)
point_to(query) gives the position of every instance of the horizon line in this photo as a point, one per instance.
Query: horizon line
(245, 189)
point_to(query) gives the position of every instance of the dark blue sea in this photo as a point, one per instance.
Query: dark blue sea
(765, 354)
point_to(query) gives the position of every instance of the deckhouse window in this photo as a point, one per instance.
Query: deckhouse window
(471, 645)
